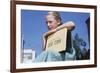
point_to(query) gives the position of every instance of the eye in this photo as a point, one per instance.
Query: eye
(48, 22)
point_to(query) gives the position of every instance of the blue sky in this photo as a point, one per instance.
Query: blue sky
(33, 25)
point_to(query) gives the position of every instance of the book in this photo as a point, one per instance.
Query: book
(57, 41)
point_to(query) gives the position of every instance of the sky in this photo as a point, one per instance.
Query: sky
(33, 26)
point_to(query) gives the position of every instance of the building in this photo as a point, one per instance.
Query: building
(28, 55)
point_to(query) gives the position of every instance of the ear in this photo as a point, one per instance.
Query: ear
(59, 22)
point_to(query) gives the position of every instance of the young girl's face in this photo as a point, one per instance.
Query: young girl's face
(52, 23)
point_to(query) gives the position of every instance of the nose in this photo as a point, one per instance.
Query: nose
(48, 24)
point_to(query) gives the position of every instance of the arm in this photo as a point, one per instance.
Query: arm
(49, 32)
(69, 25)
(44, 42)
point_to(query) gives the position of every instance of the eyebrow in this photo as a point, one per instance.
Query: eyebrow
(48, 21)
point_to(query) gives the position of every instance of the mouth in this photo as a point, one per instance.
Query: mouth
(50, 27)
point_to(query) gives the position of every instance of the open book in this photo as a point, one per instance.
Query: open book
(57, 40)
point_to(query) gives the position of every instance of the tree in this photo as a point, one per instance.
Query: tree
(77, 43)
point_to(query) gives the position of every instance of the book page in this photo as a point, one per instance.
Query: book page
(57, 40)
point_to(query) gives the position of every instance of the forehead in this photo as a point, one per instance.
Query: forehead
(50, 17)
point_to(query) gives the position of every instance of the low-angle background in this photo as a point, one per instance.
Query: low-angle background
(33, 26)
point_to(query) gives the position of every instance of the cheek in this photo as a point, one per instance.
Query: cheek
(55, 24)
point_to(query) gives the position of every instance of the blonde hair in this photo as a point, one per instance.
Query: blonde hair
(56, 15)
